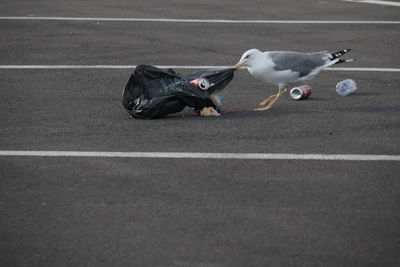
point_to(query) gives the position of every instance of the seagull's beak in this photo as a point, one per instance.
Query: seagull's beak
(238, 65)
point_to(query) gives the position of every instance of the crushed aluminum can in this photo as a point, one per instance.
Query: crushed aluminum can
(300, 92)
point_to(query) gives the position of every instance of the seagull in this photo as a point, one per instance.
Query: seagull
(286, 67)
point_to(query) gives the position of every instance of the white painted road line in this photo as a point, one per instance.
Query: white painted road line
(204, 20)
(200, 155)
(376, 2)
(56, 67)
(365, 69)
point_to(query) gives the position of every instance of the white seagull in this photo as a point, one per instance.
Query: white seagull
(286, 67)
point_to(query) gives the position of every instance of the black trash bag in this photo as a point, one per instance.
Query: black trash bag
(152, 92)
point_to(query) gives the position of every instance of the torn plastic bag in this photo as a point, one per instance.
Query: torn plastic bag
(152, 92)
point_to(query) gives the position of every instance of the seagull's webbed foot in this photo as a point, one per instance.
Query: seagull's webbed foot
(270, 101)
(264, 108)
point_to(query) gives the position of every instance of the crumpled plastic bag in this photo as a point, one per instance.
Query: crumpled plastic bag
(152, 92)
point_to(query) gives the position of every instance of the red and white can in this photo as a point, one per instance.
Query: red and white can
(201, 83)
(300, 92)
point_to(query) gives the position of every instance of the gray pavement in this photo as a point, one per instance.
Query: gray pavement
(125, 43)
(187, 212)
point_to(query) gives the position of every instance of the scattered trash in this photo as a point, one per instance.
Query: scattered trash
(219, 105)
(152, 92)
(300, 92)
(208, 111)
(201, 83)
(346, 87)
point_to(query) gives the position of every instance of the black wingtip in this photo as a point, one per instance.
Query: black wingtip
(339, 53)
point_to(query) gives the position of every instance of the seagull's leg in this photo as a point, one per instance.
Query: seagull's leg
(269, 99)
(278, 95)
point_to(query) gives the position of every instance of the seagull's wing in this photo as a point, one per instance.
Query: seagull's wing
(303, 63)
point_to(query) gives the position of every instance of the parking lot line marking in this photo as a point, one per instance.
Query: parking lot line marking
(376, 2)
(56, 67)
(204, 20)
(200, 155)
(364, 69)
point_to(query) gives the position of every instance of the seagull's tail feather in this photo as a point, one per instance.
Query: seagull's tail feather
(335, 57)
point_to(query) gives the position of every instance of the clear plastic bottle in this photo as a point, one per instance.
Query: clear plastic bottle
(346, 87)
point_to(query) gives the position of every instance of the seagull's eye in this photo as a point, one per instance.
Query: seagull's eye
(247, 56)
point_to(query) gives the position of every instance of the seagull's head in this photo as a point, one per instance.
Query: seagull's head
(246, 59)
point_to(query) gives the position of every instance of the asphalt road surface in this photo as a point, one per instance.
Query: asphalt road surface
(120, 211)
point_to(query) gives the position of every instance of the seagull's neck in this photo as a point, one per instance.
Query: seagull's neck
(260, 63)
(261, 67)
